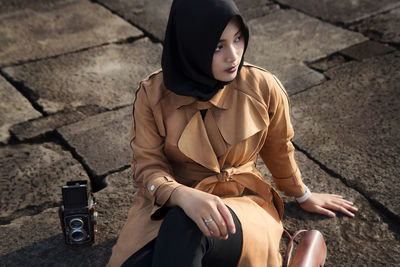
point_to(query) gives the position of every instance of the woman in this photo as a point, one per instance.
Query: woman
(197, 129)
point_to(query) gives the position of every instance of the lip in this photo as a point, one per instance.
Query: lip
(231, 69)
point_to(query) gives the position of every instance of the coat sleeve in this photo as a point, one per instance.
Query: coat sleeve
(278, 150)
(151, 169)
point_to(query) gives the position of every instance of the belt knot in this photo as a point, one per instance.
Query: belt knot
(226, 174)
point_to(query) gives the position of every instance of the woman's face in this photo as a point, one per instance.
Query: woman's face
(228, 53)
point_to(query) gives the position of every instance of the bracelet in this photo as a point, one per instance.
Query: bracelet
(304, 197)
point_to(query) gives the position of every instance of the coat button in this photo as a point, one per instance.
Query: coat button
(152, 187)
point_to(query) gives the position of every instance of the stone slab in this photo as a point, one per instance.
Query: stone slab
(113, 204)
(359, 51)
(105, 76)
(283, 39)
(328, 62)
(38, 241)
(382, 27)
(31, 176)
(14, 109)
(351, 125)
(251, 9)
(102, 141)
(346, 11)
(365, 240)
(154, 20)
(149, 15)
(61, 27)
(8, 7)
(40, 127)
(25, 240)
(366, 49)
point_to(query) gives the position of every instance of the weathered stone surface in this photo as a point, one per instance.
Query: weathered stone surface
(329, 62)
(38, 241)
(281, 41)
(8, 7)
(58, 27)
(31, 176)
(102, 140)
(351, 124)
(251, 9)
(365, 240)
(150, 15)
(26, 239)
(366, 49)
(383, 27)
(43, 125)
(105, 76)
(341, 11)
(28, 230)
(154, 20)
(14, 108)
(113, 204)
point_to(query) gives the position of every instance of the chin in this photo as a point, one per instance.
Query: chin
(227, 77)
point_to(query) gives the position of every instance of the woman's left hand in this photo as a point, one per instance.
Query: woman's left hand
(324, 203)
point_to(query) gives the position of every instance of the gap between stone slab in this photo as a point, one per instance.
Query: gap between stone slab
(329, 57)
(147, 34)
(28, 93)
(284, 6)
(47, 137)
(312, 86)
(98, 182)
(122, 41)
(389, 8)
(345, 26)
(30, 210)
(93, 178)
(391, 219)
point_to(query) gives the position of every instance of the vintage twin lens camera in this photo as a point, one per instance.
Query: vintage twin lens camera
(78, 214)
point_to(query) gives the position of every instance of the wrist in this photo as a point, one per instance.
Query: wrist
(175, 197)
(304, 197)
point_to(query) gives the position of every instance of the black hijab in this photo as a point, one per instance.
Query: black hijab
(193, 32)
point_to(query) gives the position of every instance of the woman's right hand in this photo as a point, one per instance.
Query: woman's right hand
(200, 206)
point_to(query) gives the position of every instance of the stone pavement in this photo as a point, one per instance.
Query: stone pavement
(68, 74)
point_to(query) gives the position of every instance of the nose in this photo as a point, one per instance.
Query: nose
(231, 54)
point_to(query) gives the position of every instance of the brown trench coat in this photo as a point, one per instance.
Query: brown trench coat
(173, 145)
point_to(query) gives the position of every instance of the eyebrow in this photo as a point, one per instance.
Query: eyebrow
(222, 40)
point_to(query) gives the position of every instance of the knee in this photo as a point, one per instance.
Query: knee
(176, 221)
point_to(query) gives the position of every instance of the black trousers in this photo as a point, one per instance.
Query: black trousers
(180, 243)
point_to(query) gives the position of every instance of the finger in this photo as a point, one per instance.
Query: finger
(203, 227)
(348, 202)
(347, 206)
(343, 200)
(227, 217)
(323, 211)
(335, 196)
(213, 228)
(220, 223)
(340, 209)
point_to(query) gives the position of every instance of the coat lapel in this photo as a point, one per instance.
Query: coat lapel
(233, 117)
(245, 117)
(194, 143)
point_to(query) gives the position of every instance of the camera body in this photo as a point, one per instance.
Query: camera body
(78, 214)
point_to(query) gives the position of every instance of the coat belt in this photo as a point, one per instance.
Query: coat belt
(246, 176)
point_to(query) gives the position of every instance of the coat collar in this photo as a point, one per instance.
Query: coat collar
(239, 113)
(222, 100)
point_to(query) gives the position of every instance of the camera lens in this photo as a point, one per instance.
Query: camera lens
(76, 223)
(78, 235)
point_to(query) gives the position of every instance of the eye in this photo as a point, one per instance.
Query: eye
(238, 38)
(218, 48)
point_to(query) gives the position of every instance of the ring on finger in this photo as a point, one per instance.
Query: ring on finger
(207, 221)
